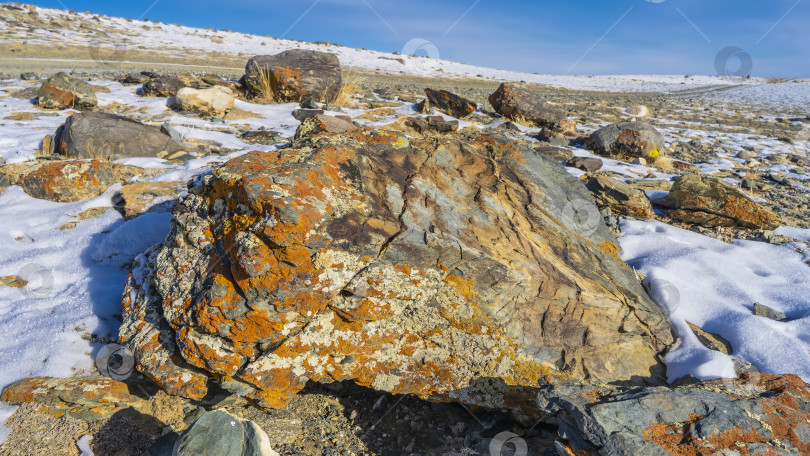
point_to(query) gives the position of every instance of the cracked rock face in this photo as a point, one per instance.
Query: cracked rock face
(411, 266)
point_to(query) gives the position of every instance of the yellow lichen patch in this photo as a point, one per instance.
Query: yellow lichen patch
(464, 287)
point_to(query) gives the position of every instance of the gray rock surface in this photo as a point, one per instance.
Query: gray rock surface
(219, 433)
(627, 140)
(102, 135)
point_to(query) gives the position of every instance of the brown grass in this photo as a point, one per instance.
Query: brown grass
(265, 87)
(348, 91)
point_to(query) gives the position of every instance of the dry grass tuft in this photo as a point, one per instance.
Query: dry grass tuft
(348, 91)
(265, 87)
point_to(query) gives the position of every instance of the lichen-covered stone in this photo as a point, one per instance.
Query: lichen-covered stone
(163, 86)
(136, 198)
(214, 101)
(410, 266)
(69, 181)
(709, 201)
(61, 92)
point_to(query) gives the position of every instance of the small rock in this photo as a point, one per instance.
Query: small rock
(321, 123)
(304, 114)
(163, 86)
(29, 76)
(769, 313)
(555, 153)
(219, 433)
(747, 155)
(134, 78)
(587, 164)
(136, 198)
(62, 92)
(69, 181)
(711, 341)
(308, 103)
(266, 137)
(169, 130)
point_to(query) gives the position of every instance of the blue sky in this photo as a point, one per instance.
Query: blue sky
(549, 37)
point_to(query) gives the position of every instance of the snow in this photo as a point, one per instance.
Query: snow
(714, 285)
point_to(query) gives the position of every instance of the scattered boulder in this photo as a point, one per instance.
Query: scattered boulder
(520, 104)
(219, 433)
(163, 86)
(136, 198)
(628, 140)
(437, 124)
(756, 414)
(321, 123)
(450, 103)
(660, 185)
(72, 180)
(108, 136)
(295, 75)
(619, 197)
(710, 202)
(587, 164)
(215, 101)
(370, 257)
(62, 92)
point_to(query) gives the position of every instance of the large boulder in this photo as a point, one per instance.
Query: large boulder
(215, 101)
(72, 180)
(62, 92)
(628, 140)
(106, 136)
(450, 103)
(524, 106)
(757, 414)
(219, 433)
(295, 75)
(163, 86)
(710, 201)
(410, 266)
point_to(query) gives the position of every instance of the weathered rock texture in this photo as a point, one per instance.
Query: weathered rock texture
(61, 92)
(522, 105)
(411, 267)
(107, 136)
(619, 197)
(709, 201)
(758, 414)
(627, 140)
(295, 75)
(73, 180)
